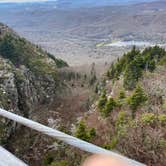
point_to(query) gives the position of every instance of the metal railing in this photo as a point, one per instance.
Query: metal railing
(73, 141)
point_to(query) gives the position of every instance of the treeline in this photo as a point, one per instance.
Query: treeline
(107, 105)
(133, 63)
(131, 111)
(21, 52)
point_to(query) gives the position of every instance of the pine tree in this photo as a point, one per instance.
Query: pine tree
(151, 65)
(93, 76)
(110, 105)
(81, 131)
(122, 95)
(138, 98)
(84, 133)
(92, 133)
(132, 54)
(111, 72)
(102, 100)
(133, 72)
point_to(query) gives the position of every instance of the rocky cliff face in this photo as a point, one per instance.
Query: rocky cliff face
(28, 77)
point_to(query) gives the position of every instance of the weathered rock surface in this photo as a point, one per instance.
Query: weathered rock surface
(24, 85)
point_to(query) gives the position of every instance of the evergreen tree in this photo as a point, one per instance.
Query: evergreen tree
(132, 54)
(84, 133)
(151, 65)
(110, 105)
(138, 98)
(133, 73)
(93, 77)
(12, 48)
(92, 133)
(111, 72)
(102, 100)
(122, 95)
(81, 131)
(133, 63)
(97, 88)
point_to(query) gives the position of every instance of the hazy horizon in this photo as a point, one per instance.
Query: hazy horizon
(79, 2)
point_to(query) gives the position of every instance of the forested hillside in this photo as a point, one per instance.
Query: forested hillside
(28, 77)
(36, 85)
(124, 111)
(130, 114)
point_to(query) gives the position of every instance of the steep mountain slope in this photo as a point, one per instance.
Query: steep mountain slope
(36, 85)
(29, 76)
(130, 114)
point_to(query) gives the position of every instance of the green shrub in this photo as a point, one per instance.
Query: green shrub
(81, 131)
(122, 131)
(84, 133)
(21, 52)
(163, 61)
(40, 67)
(162, 119)
(49, 158)
(59, 62)
(137, 98)
(110, 105)
(102, 101)
(111, 145)
(164, 105)
(114, 142)
(148, 118)
(121, 119)
(60, 163)
(4, 99)
(19, 77)
(93, 77)
(92, 133)
(12, 48)
(122, 124)
(121, 99)
(163, 143)
(133, 72)
(3, 133)
(152, 65)
(153, 53)
(96, 88)
(133, 63)
(122, 95)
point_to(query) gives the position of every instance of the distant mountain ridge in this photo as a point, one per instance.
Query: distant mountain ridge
(77, 3)
(93, 3)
